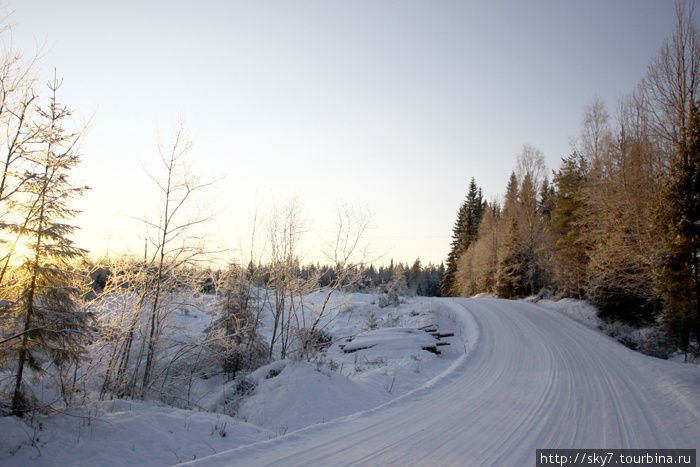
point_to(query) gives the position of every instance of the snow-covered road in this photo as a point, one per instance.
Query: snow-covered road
(535, 379)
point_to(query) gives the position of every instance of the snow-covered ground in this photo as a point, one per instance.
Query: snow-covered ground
(515, 376)
(374, 367)
(122, 433)
(376, 356)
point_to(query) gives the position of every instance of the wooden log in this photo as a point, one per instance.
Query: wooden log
(355, 349)
(440, 335)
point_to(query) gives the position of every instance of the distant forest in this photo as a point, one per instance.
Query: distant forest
(416, 279)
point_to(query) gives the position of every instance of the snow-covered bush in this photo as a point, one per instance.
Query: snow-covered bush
(311, 341)
(393, 291)
(234, 329)
(390, 298)
(392, 320)
(371, 320)
(650, 340)
(235, 393)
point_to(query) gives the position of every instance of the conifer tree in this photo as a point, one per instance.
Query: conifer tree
(510, 281)
(524, 264)
(529, 236)
(679, 223)
(567, 224)
(415, 277)
(475, 211)
(546, 202)
(235, 328)
(511, 199)
(43, 308)
(464, 232)
(458, 235)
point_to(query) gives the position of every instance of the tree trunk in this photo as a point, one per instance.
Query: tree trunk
(18, 406)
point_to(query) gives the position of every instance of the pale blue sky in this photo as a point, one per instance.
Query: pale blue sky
(390, 104)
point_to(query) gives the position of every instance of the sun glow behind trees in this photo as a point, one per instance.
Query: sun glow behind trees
(17, 250)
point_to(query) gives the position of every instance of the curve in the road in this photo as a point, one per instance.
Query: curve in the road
(536, 379)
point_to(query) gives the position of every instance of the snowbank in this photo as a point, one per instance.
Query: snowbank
(122, 433)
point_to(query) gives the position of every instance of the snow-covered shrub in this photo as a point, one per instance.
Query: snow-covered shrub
(392, 320)
(347, 309)
(234, 329)
(390, 298)
(333, 365)
(393, 291)
(219, 428)
(650, 340)
(371, 320)
(417, 359)
(311, 341)
(234, 395)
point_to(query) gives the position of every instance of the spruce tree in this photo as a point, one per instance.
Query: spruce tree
(464, 232)
(510, 282)
(522, 269)
(235, 328)
(457, 246)
(679, 224)
(546, 202)
(415, 277)
(567, 224)
(475, 211)
(41, 304)
(511, 199)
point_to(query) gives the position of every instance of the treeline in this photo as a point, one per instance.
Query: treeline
(618, 223)
(416, 279)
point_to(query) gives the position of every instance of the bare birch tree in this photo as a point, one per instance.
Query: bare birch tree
(347, 253)
(155, 283)
(285, 230)
(672, 79)
(17, 99)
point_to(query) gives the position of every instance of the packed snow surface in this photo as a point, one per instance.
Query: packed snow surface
(534, 379)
